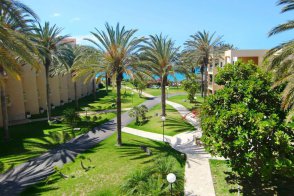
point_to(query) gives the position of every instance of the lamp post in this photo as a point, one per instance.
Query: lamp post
(163, 119)
(171, 178)
(167, 88)
(132, 98)
(86, 109)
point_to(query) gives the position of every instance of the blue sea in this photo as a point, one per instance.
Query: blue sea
(177, 76)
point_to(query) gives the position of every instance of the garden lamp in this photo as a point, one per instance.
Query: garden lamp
(171, 178)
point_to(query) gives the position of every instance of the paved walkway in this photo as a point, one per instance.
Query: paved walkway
(136, 91)
(197, 170)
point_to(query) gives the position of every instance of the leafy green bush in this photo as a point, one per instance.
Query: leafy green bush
(71, 117)
(192, 87)
(244, 122)
(139, 112)
(94, 118)
(152, 180)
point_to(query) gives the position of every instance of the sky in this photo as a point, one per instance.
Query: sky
(243, 23)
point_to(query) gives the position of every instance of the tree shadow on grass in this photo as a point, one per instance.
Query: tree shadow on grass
(158, 149)
(18, 178)
(179, 125)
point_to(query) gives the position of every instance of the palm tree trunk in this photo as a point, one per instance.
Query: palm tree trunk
(202, 80)
(48, 103)
(106, 82)
(94, 89)
(163, 97)
(76, 95)
(205, 75)
(118, 105)
(4, 112)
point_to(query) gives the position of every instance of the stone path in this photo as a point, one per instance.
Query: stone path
(197, 170)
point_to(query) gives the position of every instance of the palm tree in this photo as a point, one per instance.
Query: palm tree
(119, 49)
(202, 48)
(49, 42)
(160, 56)
(15, 47)
(280, 61)
(84, 63)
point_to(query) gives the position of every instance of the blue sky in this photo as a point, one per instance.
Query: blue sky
(244, 23)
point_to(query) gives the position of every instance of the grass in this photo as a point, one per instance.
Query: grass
(157, 92)
(109, 167)
(218, 167)
(104, 101)
(182, 99)
(33, 139)
(174, 123)
(219, 171)
(128, 100)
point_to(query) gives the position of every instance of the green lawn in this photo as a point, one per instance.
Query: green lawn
(157, 92)
(109, 167)
(174, 123)
(103, 101)
(221, 187)
(33, 139)
(182, 99)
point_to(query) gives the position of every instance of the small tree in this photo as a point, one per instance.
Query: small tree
(71, 117)
(141, 86)
(192, 87)
(135, 113)
(143, 112)
(139, 112)
(244, 122)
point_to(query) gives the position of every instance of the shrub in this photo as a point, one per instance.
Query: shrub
(94, 118)
(152, 180)
(244, 123)
(71, 117)
(192, 87)
(139, 112)
(100, 85)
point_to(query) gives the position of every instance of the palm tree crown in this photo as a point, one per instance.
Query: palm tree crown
(16, 49)
(280, 61)
(160, 56)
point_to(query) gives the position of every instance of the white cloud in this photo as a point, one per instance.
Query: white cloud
(56, 14)
(75, 19)
(81, 39)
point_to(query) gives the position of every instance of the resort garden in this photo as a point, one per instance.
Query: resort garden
(141, 132)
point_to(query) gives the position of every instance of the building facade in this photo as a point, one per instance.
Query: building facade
(231, 56)
(27, 96)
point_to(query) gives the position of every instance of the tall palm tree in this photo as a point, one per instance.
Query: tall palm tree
(49, 42)
(202, 47)
(160, 55)
(15, 47)
(119, 50)
(280, 61)
(83, 61)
